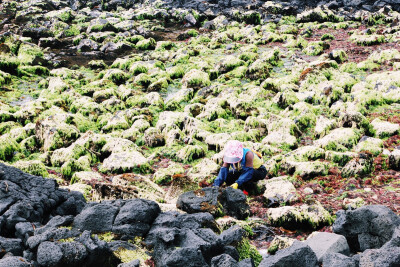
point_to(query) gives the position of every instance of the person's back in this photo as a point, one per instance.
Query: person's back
(242, 167)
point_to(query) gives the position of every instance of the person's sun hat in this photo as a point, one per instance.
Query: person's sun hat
(233, 151)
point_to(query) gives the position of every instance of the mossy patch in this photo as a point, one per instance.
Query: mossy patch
(247, 250)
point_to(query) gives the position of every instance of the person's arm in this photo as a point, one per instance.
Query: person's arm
(247, 172)
(223, 173)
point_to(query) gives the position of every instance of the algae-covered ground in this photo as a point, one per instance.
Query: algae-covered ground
(139, 102)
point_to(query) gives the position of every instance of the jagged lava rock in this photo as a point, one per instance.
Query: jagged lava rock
(229, 201)
(299, 254)
(366, 227)
(28, 198)
(323, 243)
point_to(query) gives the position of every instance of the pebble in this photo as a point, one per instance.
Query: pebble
(308, 191)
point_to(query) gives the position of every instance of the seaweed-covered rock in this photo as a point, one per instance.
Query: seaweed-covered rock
(306, 216)
(394, 159)
(338, 55)
(339, 139)
(278, 190)
(384, 128)
(361, 165)
(370, 144)
(124, 162)
(195, 79)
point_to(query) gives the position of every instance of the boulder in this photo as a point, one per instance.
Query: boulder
(11, 245)
(338, 259)
(224, 260)
(380, 257)
(21, 202)
(278, 190)
(124, 162)
(230, 201)
(280, 242)
(370, 144)
(232, 236)
(134, 263)
(202, 200)
(14, 262)
(339, 139)
(367, 227)
(323, 243)
(54, 133)
(135, 217)
(99, 253)
(299, 254)
(87, 45)
(307, 169)
(384, 128)
(207, 168)
(295, 217)
(142, 185)
(153, 137)
(234, 203)
(190, 257)
(165, 175)
(394, 159)
(49, 254)
(362, 165)
(96, 217)
(247, 263)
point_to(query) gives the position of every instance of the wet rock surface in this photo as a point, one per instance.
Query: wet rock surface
(230, 201)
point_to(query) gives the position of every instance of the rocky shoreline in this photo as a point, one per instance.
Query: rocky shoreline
(42, 225)
(124, 107)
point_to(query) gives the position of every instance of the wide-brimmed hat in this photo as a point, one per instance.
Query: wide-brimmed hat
(233, 151)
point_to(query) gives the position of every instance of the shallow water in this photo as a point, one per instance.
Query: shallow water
(23, 99)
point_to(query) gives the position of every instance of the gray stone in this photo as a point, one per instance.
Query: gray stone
(11, 245)
(134, 263)
(135, 217)
(14, 262)
(49, 254)
(27, 198)
(323, 243)
(188, 257)
(224, 260)
(299, 254)
(233, 202)
(246, 263)
(74, 253)
(337, 259)
(232, 236)
(389, 257)
(366, 227)
(96, 218)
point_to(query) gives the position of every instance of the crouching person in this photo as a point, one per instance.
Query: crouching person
(241, 168)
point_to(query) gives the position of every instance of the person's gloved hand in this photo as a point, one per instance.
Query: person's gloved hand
(235, 186)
